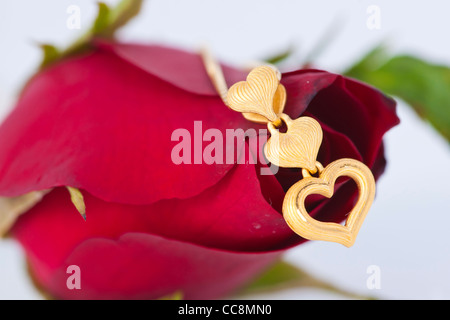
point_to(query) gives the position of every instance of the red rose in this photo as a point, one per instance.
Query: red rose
(102, 122)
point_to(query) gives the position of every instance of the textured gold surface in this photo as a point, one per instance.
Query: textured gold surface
(215, 73)
(257, 94)
(307, 227)
(298, 146)
(279, 100)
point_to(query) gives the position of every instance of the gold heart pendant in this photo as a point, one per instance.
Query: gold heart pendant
(303, 224)
(261, 98)
(298, 146)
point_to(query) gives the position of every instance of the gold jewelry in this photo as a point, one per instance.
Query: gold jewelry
(261, 98)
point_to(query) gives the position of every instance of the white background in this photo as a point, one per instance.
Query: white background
(406, 233)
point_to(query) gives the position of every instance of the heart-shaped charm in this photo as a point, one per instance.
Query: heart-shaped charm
(307, 227)
(261, 98)
(279, 100)
(298, 146)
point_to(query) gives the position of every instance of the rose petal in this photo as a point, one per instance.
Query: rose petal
(100, 124)
(182, 69)
(143, 266)
(232, 215)
(301, 88)
(358, 111)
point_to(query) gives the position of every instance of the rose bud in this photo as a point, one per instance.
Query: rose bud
(103, 122)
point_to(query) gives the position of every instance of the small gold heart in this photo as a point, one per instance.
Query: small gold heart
(261, 98)
(307, 227)
(279, 100)
(298, 146)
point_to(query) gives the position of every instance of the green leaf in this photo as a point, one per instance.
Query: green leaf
(279, 57)
(283, 275)
(177, 295)
(122, 14)
(50, 53)
(108, 21)
(421, 84)
(369, 63)
(102, 21)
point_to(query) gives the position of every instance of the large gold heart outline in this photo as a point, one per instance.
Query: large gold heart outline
(303, 224)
